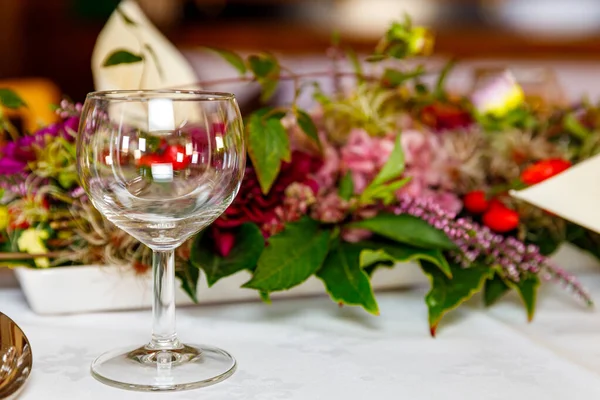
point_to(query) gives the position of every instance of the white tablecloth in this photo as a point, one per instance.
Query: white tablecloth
(310, 349)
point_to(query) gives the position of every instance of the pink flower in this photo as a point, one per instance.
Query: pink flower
(427, 165)
(330, 208)
(328, 174)
(447, 201)
(364, 156)
(298, 197)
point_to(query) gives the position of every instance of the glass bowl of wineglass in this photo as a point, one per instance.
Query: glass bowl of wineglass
(161, 165)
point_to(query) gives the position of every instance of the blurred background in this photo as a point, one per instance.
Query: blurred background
(54, 39)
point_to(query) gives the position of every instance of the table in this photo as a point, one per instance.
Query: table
(310, 349)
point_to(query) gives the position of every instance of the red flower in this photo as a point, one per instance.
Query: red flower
(251, 205)
(224, 241)
(445, 116)
(542, 170)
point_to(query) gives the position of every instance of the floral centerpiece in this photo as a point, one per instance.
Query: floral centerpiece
(387, 169)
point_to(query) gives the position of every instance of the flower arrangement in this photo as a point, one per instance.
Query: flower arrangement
(385, 170)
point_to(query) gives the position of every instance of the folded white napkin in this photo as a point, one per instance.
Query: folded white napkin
(139, 37)
(573, 194)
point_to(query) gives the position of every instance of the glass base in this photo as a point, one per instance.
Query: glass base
(150, 369)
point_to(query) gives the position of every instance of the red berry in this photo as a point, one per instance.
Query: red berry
(542, 170)
(501, 219)
(559, 165)
(176, 155)
(148, 160)
(495, 204)
(475, 202)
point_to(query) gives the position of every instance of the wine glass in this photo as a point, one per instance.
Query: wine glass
(161, 165)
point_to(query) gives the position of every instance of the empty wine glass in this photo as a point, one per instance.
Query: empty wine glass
(161, 165)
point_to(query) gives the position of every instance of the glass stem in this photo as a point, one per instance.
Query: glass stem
(163, 306)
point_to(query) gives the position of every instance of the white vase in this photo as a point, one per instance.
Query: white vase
(104, 288)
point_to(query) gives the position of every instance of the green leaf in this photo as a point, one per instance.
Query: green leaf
(308, 126)
(494, 289)
(320, 97)
(371, 260)
(345, 280)
(269, 86)
(385, 193)
(393, 167)
(118, 57)
(10, 99)
(421, 89)
(394, 78)
(67, 179)
(441, 81)
(447, 294)
(374, 58)
(189, 280)
(574, 127)
(346, 189)
(249, 244)
(398, 50)
(351, 54)
(265, 297)
(268, 145)
(150, 50)
(527, 288)
(406, 229)
(376, 252)
(263, 65)
(234, 59)
(382, 188)
(292, 256)
(266, 69)
(125, 18)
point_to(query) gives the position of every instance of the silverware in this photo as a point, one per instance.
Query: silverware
(15, 358)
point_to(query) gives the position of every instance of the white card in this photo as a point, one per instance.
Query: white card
(573, 195)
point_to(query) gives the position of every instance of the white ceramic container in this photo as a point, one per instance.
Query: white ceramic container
(102, 288)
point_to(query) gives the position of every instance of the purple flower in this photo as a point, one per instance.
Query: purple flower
(15, 155)
(67, 129)
(12, 159)
(476, 242)
(8, 150)
(10, 166)
(70, 127)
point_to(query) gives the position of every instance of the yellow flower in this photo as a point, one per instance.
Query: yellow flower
(3, 217)
(420, 42)
(404, 40)
(31, 241)
(497, 95)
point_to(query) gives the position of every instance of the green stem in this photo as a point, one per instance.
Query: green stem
(242, 79)
(8, 127)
